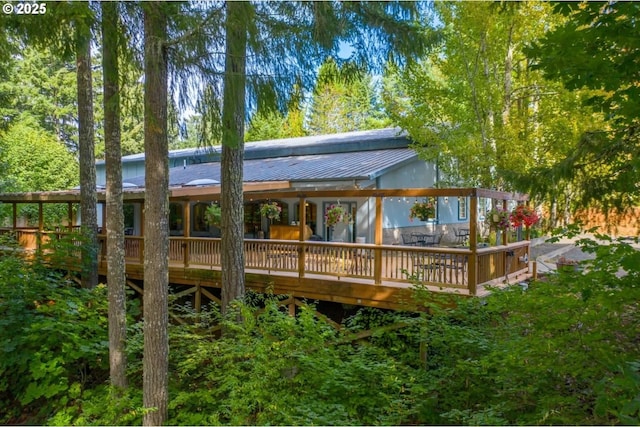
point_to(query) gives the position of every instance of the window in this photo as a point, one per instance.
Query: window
(175, 216)
(462, 208)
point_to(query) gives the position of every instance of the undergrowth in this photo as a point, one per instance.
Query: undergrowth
(563, 350)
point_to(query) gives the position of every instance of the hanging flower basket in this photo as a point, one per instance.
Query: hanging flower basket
(335, 214)
(498, 219)
(422, 210)
(271, 211)
(523, 215)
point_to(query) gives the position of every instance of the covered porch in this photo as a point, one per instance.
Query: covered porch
(380, 273)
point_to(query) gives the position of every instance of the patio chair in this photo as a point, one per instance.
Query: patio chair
(462, 235)
(409, 239)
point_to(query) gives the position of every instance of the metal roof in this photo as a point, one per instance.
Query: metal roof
(376, 139)
(358, 165)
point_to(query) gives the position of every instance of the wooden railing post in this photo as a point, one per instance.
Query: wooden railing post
(377, 255)
(186, 251)
(15, 216)
(302, 226)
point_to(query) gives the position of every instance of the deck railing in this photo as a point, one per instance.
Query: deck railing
(438, 266)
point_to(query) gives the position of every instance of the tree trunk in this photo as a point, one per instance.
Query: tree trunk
(87, 159)
(115, 214)
(232, 245)
(156, 214)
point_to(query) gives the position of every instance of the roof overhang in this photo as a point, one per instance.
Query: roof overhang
(138, 194)
(265, 189)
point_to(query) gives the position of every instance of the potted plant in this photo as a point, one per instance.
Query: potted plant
(335, 214)
(498, 219)
(422, 210)
(524, 215)
(271, 211)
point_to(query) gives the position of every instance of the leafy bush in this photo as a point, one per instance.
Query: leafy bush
(275, 369)
(53, 338)
(564, 351)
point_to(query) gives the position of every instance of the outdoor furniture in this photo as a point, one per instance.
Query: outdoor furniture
(436, 266)
(462, 235)
(427, 239)
(409, 239)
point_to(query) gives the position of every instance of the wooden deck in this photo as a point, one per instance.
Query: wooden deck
(359, 274)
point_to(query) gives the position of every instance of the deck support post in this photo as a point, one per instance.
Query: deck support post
(70, 216)
(377, 257)
(15, 216)
(186, 219)
(198, 299)
(186, 213)
(292, 308)
(40, 237)
(534, 268)
(473, 245)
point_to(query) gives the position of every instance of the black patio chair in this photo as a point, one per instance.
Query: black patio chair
(408, 239)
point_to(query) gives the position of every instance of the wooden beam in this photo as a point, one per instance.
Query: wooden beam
(70, 215)
(212, 192)
(135, 287)
(186, 220)
(198, 299)
(266, 190)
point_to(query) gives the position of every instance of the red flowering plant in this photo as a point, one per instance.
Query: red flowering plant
(524, 215)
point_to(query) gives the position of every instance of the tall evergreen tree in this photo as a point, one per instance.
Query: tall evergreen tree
(86, 145)
(156, 220)
(114, 212)
(285, 39)
(238, 13)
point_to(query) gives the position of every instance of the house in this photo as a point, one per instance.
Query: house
(376, 159)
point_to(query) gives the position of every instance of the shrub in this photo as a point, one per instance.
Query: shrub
(53, 337)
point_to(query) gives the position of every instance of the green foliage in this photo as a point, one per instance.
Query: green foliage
(43, 87)
(476, 107)
(578, 53)
(53, 338)
(275, 369)
(36, 161)
(561, 352)
(344, 99)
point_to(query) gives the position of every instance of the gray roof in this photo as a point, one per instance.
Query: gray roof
(377, 139)
(357, 165)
